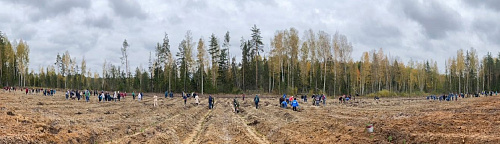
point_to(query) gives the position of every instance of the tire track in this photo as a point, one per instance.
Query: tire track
(251, 131)
(194, 136)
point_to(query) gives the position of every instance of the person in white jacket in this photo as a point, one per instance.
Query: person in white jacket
(139, 96)
(155, 100)
(196, 100)
(115, 96)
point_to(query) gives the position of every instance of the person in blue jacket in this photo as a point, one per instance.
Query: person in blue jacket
(284, 104)
(295, 104)
(256, 100)
(166, 94)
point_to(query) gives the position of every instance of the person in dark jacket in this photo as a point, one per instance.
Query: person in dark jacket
(281, 100)
(210, 99)
(256, 100)
(185, 98)
(236, 105)
(78, 95)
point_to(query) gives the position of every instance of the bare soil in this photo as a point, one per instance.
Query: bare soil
(53, 119)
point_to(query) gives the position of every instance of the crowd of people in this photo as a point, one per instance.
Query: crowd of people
(32, 91)
(284, 101)
(456, 96)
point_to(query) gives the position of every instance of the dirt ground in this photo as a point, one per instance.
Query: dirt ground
(53, 119)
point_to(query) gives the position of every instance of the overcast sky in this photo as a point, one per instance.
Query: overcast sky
(419, 30)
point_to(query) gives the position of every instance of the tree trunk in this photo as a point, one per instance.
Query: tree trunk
(201, 81)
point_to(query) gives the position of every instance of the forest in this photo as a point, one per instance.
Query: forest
(313, 62)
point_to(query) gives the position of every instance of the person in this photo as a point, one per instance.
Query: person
(256, 100)
(166, 94)
(155, 100)
(67, 95)
(119, 95)
(171, 94)
(115, 96)
(318, 98)
(106, 97)
(210, 99)
(78, 95)
(213, 102)
(243, 97)
(284, 104)
(26, 91)
(139, 96)
(281, 100)
(87, 95)
(196, 99)
(323, 98)
(290, 100)
(100, 96)
(313, 97)
(133, 95)
(287, 100)
(295, 104)
(236, 105)
(185, 98)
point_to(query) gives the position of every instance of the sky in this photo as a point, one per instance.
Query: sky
(409, 29)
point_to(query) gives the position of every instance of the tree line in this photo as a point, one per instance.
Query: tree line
(315, 62)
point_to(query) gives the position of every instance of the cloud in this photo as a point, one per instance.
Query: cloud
(491, 4)
(102, 21)
(42, 9)
(414, 29)
(436, 19)
(488, 29)
(127, 9)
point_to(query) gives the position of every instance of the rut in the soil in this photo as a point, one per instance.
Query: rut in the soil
(198, 130)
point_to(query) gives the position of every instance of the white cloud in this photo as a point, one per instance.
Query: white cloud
(419, 30)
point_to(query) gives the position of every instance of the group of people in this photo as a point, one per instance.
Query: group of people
(102, 96)
(345, 98)
(236, 104)
(455, 96)
(318, 99)
(46, 92)
(284, 101)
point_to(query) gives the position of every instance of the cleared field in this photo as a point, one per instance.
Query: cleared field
(45, 119)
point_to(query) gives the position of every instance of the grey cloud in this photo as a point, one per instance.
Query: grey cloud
(102, 21)
(491, 4)
(127, 9)
(379, 35)
(26, 33)
(435, 18)
(50, 8)
(378, 30)
(96, 29)
(488, 28)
